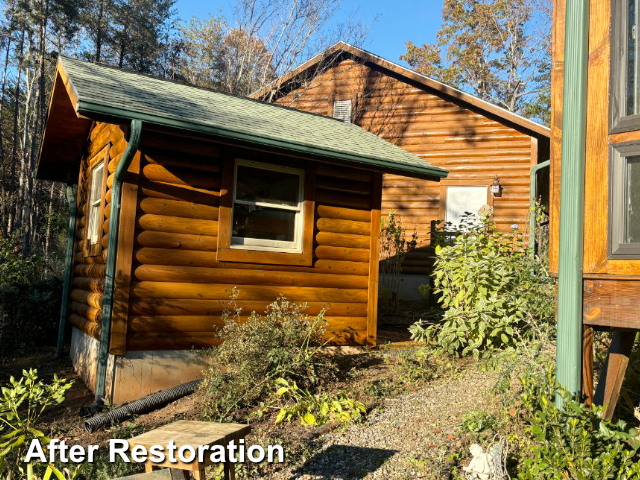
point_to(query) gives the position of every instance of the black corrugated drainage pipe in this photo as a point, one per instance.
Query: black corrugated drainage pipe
(112, 251)
(144, 405)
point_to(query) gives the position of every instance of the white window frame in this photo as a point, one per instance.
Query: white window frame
(95, 203)
(455, 227)
(270, 245)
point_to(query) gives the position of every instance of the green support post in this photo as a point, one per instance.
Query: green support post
(574, 116)
(66, 287)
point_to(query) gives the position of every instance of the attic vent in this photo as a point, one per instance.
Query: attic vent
(342, 110)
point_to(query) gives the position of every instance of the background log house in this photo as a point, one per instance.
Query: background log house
(473, 139)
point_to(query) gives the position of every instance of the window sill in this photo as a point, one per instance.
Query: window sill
(244, 255)
(94, 250)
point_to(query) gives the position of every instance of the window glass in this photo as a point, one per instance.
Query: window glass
(633, 60)
(632, 200)
(250, 221)
(95, 199)
(267, 207)
(267, 186)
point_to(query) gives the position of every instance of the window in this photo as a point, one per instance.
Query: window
(266, 213)
(461, 200)
(625, 66)
(342, 110)
(97, 186)
(95, 202)
(624, 201)
(267, 207)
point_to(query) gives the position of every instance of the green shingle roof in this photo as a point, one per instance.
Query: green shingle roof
(104, 91)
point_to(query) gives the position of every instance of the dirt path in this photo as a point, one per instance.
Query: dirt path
(411, 437)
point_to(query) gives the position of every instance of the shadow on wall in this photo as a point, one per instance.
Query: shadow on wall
(337, 462)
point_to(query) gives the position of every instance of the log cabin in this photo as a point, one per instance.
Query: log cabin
(595, 189)
(476, 141)
(184, 193)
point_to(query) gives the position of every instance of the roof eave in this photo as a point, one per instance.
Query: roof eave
(98, 110)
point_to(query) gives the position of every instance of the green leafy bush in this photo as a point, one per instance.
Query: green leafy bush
(573, 442)
(284, 343)
(494, 294)
(21, 405)
(316, 409)
(478, 421)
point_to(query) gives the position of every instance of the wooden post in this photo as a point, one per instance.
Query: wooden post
(124, 260)
(374, 259)
(587, 365)
(613, 372)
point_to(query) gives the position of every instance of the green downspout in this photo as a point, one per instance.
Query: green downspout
(112, 249)
(68, 262)
(532, 206)
(574, 131)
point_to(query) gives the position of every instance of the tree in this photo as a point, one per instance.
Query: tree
(271, 37)
(200, 61)
(498, 50)
(138, 32)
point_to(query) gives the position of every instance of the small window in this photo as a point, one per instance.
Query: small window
(624, 202)
(342, 110)
(267, 207)
(462, 200)
(95, 202)
(625, 66)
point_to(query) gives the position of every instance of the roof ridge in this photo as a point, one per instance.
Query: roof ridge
(455, 92)
(442, 83)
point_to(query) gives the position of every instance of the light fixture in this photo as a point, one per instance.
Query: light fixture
(496, 188)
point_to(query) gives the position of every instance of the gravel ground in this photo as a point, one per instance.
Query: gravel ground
(409, 438)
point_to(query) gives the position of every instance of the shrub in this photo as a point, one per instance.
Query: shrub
(284, 343)
(316, 409)
(29, 300)
(494, 294)
(21, 405)
(478, 421)
(573, 442)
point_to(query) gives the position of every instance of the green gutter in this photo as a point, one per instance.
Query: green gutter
(93, 109)
(532, 206)
(112, 249)
(68, 262)
(574, 114)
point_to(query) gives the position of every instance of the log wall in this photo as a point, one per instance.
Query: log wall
(473, 146)
(178, 287)
(88, 273)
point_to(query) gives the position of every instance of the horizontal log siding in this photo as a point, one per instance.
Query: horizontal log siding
(87, 281)
(179, 289)
(468, 144)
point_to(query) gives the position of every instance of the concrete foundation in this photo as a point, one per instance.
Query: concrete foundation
(136, 374)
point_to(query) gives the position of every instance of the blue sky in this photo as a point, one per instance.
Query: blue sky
(397, 20)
